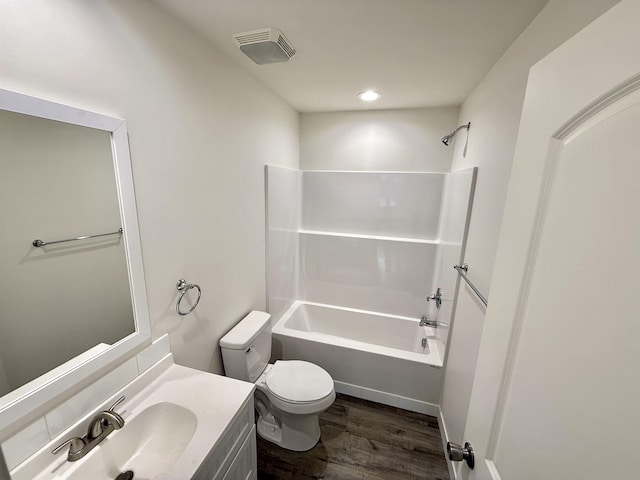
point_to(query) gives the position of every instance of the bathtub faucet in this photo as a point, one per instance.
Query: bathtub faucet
(437, 297)
(427, 322)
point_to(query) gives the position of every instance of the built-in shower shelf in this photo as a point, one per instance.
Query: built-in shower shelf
(370, 237)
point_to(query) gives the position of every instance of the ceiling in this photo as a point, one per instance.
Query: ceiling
(417, 53)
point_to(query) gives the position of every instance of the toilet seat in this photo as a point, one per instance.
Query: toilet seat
(296, 381)
(299, 387)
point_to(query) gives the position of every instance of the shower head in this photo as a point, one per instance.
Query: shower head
(447, 138)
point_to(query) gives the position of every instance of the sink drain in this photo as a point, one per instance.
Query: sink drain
(128, 475)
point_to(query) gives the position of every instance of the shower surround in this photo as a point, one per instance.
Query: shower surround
(348, 252)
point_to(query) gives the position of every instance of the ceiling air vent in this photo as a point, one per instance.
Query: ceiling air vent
(267, 45)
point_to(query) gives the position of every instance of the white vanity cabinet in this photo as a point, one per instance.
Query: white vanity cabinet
(180, 424)
(235, 455)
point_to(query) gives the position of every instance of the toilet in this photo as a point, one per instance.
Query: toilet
(290, 394)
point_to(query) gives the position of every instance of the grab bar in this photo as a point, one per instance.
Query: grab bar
(462, 270)
(40, 243)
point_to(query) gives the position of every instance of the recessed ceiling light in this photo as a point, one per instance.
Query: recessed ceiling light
(369, 96)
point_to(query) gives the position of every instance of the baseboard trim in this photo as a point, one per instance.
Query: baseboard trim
(390, 399)
(445, 439)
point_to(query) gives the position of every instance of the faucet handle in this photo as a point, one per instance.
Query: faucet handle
(116, 403)
(437, 297)
(76, 444)
(102, 420)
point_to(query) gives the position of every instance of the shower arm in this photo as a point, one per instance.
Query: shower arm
(467, 126)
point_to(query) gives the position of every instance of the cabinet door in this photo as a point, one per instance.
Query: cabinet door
(227, 447)
(245, 465)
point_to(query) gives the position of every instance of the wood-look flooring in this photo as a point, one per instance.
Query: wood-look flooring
(362, 440)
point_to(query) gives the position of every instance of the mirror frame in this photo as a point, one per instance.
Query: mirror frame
(22, 409)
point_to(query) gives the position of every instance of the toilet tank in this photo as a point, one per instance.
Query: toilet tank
(246, 348)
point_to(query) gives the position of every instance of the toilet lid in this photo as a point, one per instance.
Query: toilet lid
(298, 381)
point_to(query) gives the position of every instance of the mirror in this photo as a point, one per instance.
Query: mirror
(67, 308)
(60, 299)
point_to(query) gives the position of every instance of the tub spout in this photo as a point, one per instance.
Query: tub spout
(426, 322)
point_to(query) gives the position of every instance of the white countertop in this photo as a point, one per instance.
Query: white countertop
(215, 400)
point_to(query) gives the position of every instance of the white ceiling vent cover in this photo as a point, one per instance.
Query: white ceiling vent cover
(267, 45)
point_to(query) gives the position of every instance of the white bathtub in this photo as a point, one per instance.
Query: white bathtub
(369, 355)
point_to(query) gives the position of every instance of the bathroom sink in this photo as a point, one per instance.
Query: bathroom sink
(176, 426)
(148, 445)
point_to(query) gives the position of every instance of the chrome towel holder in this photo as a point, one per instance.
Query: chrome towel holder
(40, 243)
(462, 270)
(183, 287)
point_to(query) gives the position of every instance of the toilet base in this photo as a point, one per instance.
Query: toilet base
(292, 432)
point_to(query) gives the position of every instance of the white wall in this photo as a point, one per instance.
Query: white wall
(200, 131)
(370, 239)
(284, 201)
(494, 109)
(400, 140)
(457, 200)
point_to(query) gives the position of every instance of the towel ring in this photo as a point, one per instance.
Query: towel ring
(183, 287)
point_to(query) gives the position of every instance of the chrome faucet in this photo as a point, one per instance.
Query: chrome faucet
(427, 322)
(437, 297)
(100, 426)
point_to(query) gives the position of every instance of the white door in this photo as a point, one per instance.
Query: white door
(557, 387)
